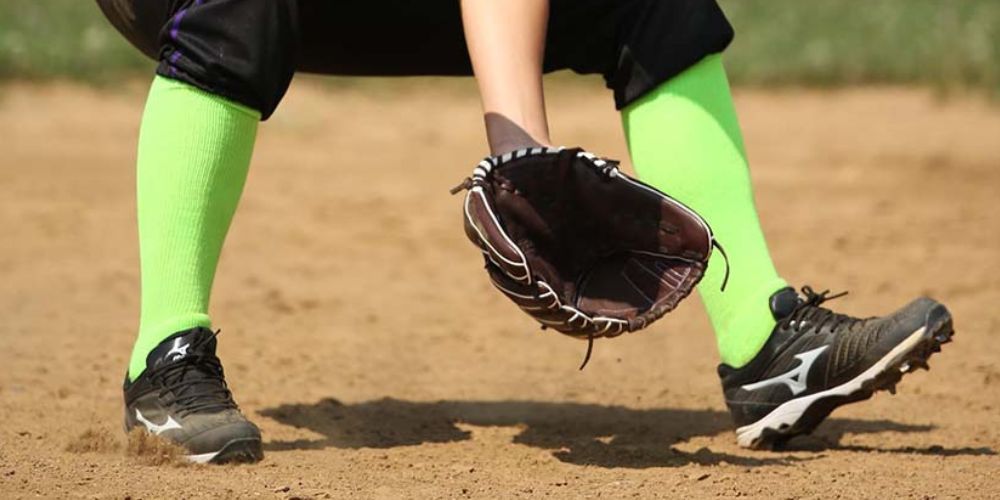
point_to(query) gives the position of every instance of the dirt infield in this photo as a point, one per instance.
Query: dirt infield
(436, 386)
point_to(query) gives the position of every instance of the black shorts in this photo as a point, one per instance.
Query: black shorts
(248, 50)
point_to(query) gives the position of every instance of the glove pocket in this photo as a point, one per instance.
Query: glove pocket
(636, 286)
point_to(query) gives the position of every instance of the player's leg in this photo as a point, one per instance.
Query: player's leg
(685, 139)
(787, 361)
(194, 153)
(195, 144)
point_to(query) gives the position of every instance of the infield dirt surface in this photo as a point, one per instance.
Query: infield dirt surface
(360, 333)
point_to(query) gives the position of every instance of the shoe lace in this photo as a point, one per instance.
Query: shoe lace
(197, 381)
(809, 313)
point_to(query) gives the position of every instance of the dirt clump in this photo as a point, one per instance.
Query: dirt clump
(148, 449)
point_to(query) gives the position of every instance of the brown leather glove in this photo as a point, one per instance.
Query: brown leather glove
(578, 245)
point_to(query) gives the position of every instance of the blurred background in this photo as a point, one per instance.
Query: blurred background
(945, 43)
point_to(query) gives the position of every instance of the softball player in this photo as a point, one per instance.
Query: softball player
(224, 65)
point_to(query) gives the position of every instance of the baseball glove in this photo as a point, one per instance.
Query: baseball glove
(581, 247)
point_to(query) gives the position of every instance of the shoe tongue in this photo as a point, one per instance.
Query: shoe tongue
(783, 303)
(181, 345)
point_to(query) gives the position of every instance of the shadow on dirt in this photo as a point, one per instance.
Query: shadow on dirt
(583, 434)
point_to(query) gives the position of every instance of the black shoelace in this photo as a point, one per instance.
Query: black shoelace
(196, 381)
(809, 314)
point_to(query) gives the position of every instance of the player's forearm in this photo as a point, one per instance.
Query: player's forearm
(506, 41)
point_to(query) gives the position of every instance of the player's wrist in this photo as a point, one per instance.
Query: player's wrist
(506, 134)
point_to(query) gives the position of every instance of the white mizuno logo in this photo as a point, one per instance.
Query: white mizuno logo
(795, 378)
(157, 428)
(178, 351)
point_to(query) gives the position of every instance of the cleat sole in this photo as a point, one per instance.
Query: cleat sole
(237, 451)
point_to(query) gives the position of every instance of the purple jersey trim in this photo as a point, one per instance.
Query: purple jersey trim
(175, 28)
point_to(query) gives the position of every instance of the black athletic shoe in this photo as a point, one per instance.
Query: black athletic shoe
(817, 360)
(182, 396)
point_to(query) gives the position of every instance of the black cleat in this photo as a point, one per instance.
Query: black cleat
(817, 360)
(182, 396)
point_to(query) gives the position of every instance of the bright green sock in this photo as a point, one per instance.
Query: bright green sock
(194, 153)
(685, 140)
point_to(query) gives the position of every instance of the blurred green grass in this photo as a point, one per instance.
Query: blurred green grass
(943, 43)
(44, 39)
(835, 42)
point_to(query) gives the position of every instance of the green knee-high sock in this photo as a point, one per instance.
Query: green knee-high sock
(685, 140)
(194, 153)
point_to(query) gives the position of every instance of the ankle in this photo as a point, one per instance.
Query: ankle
(744, 327)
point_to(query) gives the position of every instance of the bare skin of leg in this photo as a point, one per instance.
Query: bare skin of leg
(506, 41)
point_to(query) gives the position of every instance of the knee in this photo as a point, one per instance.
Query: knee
(662, 39)
(655, 27)
(242, 50)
